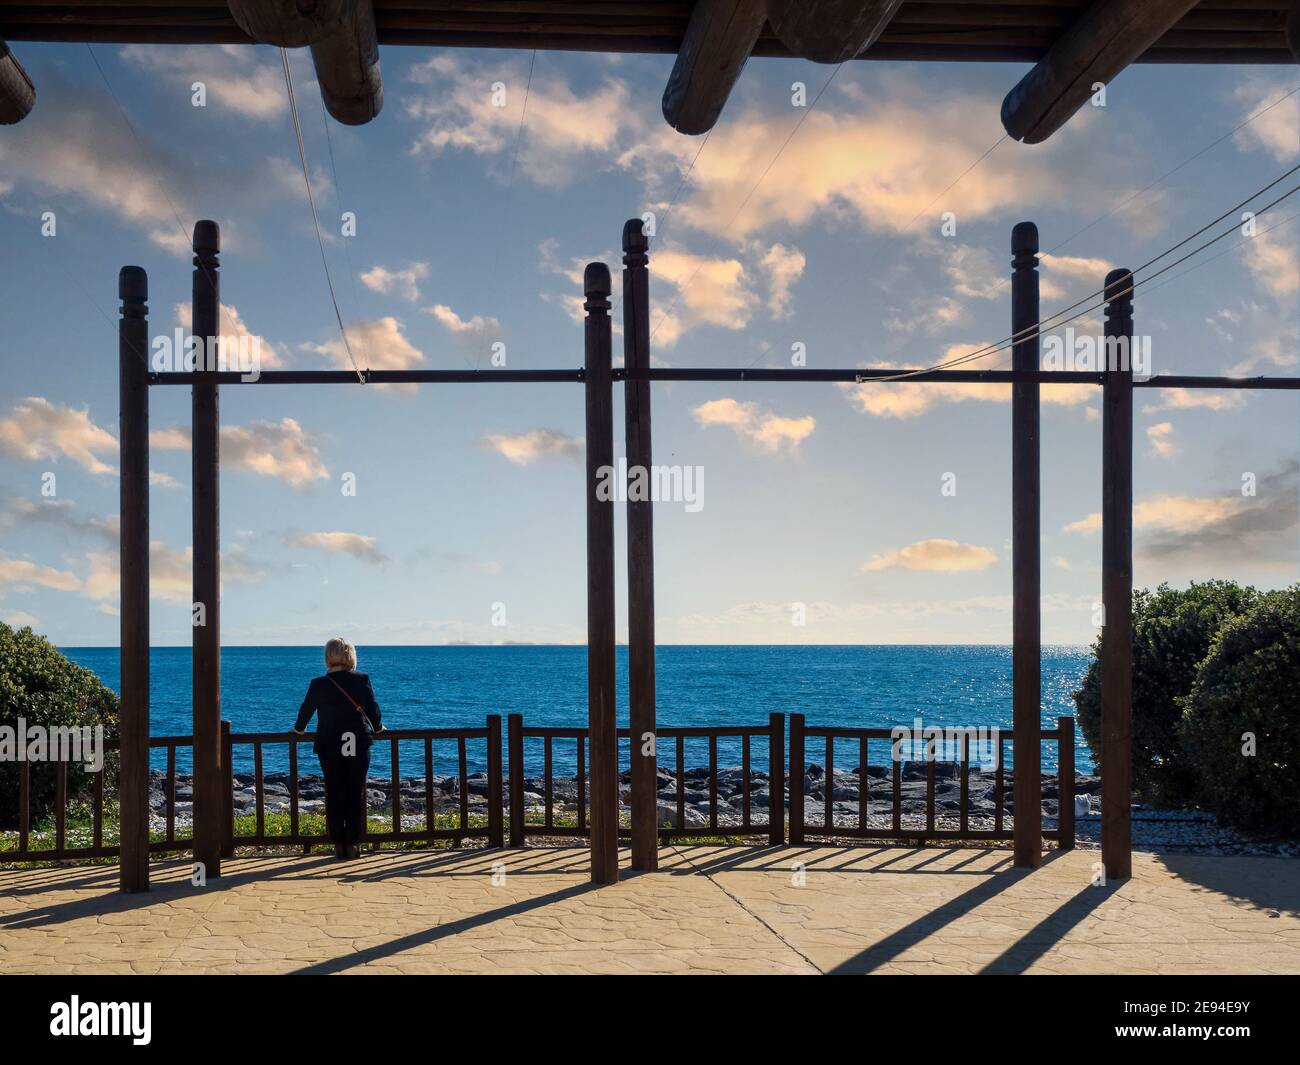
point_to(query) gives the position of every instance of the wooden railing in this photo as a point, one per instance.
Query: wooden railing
(491, 825)
(492, 829)
(773, 733)
(97, 848)
(801, 732)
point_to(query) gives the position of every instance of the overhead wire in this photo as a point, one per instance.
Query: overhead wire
(311, 200)
(1050, 321)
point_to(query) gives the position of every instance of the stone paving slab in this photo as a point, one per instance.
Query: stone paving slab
(707, 910)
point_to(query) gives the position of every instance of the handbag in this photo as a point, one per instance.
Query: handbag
(355, 705)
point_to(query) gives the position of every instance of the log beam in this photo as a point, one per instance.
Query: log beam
(718, 40)
(1293, 29)
(17, 94)
(347, 67)
(1109, 36)
(830, 31)
(290, 23)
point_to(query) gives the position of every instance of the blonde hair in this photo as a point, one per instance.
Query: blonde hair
(340, 653)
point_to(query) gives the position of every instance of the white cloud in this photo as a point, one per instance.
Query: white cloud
(563, 132)
(22, 573)
(234, 328)
(1175, 513)
(768, 431)
(234, 76)
(1086, 274)
(404, 282)
(36, 429)
(475, 335)
(972, 271)
(171, 573)
(1276, 130)
(378, 344)
(1195, 398)
(523, 449)
(875, 164)
(783, 267)
(1161, 438)
(357, 545)
(1272, 261)
(908, 399)
(20, 619)
(281, 450)
(934, 555)
(79, 148)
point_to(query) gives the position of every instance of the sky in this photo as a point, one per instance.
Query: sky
(855, 232)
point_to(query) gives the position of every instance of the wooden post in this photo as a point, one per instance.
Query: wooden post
(205, 493)
(776, 780)
(228, 790)
(496, 827)
(602, 726)
(133, 422)
(1117, 580)
(1065, 782)
(796, 778)
(640, 553)
(1026, 682)
(515, 728)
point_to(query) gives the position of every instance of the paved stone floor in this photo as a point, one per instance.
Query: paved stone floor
(708, 909)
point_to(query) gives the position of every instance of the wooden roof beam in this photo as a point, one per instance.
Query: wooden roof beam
(347, 67)
(17, 94)
(1107, 37)
(1293, 29)
(289, 23)
(717, 42)
(830, 31)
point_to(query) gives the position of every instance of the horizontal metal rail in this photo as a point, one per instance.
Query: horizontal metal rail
(372, 377)
(860, 375)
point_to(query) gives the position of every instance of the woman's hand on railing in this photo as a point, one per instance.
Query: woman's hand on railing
(298, 732)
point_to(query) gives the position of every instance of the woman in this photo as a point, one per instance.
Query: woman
(347, 708)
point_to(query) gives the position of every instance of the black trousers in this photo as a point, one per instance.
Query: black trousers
(345, 795)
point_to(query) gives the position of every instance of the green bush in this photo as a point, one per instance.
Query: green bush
(1250, 683)
(40, 685)
(1173, 630)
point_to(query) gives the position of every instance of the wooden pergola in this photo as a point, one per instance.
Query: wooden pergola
(598, 377)
(1074, 45)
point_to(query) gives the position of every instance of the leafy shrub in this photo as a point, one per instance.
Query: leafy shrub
(1250, 683)
(43, 687)
(1172, 632)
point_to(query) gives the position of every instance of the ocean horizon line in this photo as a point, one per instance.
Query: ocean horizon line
(526, 643)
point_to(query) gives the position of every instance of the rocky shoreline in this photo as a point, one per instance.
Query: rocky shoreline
(844, 791)
(1153, 829)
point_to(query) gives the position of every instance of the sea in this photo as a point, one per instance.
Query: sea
(966, 686)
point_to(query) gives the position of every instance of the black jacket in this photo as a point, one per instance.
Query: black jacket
(337, 714)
